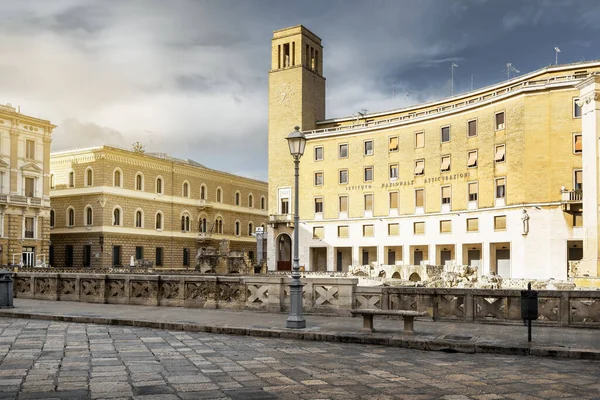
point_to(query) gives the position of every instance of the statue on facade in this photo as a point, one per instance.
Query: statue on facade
(525, 221)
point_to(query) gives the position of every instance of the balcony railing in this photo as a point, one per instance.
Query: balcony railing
(28, 234)
(203, 203)
(204, 236)
(572, 196)
(287, 219)
(20, 200)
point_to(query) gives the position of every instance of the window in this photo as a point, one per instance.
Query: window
(52, 217)
(219, 225)
(368, 147)
(203, 192)
(30, 149)
(419, 167)
(159, 256)
(89, 177)
(69, 255)
(472, 224)
(393, 229)
(500, 153)
(159, 185)
(318, 232)
(158, 223)
(202, 224)
(237, 228)
(116, 255)
(419, 228)
(445, 134)
(446, 197)
(472, 128)
(185, 223)
(139, 252)
(500, 188)
(472, 159)
(343, 176)
(318, 205)
(30, 187)
(263, 203)
(578, 218)
(367, 230)
(87, 255)
(446, 226)
(237, 198)
(250, 229)
(419, 197)
(343, 203)
(578, 179)
(393, 200)
(419, 139)
(219, 195)
(186, 257)
(500, 222)
(369, 202)
(250, 201)
(343, 231)
(52, 181)
(319, 153)
(89, 216)
(285, 206)
(445, 165)
(185, 191)
(29, 228)
(577, 143)
(70, 217)
(138, 219)
(368, 174)
(576, 109)
(71, 179)
(393, 144)
(318, 179)
(472, 188)
(117, 178)
(343, 150)
(117, 217)
(394, 171)
(139, 181)
(499, 121)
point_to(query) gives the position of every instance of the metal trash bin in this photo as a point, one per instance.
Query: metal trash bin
(6, 289)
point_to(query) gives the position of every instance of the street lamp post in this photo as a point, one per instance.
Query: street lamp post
(296, 142)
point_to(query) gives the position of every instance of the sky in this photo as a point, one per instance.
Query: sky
(189, 77)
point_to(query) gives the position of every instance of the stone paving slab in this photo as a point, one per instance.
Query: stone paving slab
(430, 335)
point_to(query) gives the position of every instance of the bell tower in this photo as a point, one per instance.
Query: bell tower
(296, 98)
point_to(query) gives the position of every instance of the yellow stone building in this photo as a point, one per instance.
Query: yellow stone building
(24, 192)
(110, 204)
(491, 178)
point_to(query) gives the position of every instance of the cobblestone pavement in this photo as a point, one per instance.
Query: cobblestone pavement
(43, 359)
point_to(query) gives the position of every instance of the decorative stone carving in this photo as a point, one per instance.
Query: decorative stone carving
(587, 98)
(258, 294)
(169, 289)
(90, 287)
(229, 292)
(365, 301)
(549, 309)
(326, 295)
(143, 289)
(102, 200)
(199, 290)
(67, 286)
(22, 285)
(116, 288)
(42, 286)
(585, 310)
(490, 307)
(450, 306)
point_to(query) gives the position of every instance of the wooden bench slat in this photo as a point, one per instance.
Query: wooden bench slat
(390, 312)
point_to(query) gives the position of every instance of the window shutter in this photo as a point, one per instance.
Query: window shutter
(419, 197)
(500, 150)
(578, 178)
(472, 159)
(393, 199)
(419, 228)
(578, 143)
(420, 139)
(344, 204)
(318, 232)
(368, 230)
(446, 192)
(500, 182)
(500, 222)
(393, 229)
(393, 143)
(445, 226)
(368, 202)
(472, 224)
(419, 167)
(472, 188)
(343, 231)
(445, 163)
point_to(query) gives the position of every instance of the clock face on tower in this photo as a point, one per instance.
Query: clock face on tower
(285, 94)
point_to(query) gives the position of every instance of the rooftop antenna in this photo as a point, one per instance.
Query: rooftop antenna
(510, 68)
(360, 114)
(556, 50)
(452, 68)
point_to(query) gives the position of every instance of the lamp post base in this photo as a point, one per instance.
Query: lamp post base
(295, 320)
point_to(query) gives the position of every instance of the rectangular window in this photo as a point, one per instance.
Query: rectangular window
(394, 171)
(186, 257)
(446, 226)
(139, 252)
(472, 186)
(29, 228)
(30, 187)
(368, 230)
(499, 121)
(343, 176)
(116, 255)
(393, 229)
(446, 195)
(318, 232)
(318, 179)
(318, 205)
(368, 147)
(472, 159)
(343, 231)
(500, 188)
(69, 255)
(30, 149)
(578, 219)
(445, 134)
(472, 128)
(420, 198)
(368, 174)
(500, 153)
(393, 200)
(578, 179)
(319, 153)
(159, 256)
(445, 165)
(576, 109)
(393, 143)
(472, 224)
(419, 228)
(419, 139)
(343, 203)
(419, 167)
(500, 222)
(343, 150)
(369, 202)
(577, 144)
(285, 206)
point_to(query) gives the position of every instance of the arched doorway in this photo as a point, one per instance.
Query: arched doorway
(284, 252)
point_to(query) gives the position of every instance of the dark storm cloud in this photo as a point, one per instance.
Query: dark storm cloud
(190, 77)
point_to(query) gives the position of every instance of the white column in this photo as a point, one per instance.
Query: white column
(331, 259)
(458, 254)
(432, 254)
(380, 254)
(406, 254)
(356, 256)
(485, 258)
(271, 250)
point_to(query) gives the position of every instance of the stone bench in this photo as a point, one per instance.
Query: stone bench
(407, 315)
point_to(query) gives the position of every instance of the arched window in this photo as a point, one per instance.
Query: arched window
(89, 217)
(250, 200)
(71, 179)
(139, 181)
(159, 185)
(117, 216)
(139, 219)
(52, 181)
(70, 216)
(219, 225)
(185, 190)
(117, 178)
(203, 192)
(263, 203)
(159, 218)
(250, 229)
(89, 176)
(185, 223)
(202, 224)
(237, 198)
(237, 228)
(219, 195)
(52, 216)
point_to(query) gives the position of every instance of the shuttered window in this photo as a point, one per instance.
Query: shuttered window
(500, 121)
(472, 159)
(445, 166)
(393, 144)
(446, 195)
(500, 153)
(472, 128)
(419, 228)
(343, 231)
(445, 226)
(368, 230)
(394, 171)
(500, 188)
(419, 198)
(343, 203)
(318, 232)
(393, 200)
(500, 222)
(419, 167)
(472, 224)
(578, 180)
(472, 191)
(577, 145)
(420, 139)
(393, 229)
(368, 202)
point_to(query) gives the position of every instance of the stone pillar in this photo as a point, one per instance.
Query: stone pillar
(406, 254)
(356, 256)
(589, 97)
(458, 254)
(485, 259)
(331, 259)
(381, 255)
(432, 250)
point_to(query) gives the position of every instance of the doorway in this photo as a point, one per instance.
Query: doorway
(417, 257)
(503, 262)
(28, 257)
(284, 253)
(117, 255)
(318, 260)
(87, 255)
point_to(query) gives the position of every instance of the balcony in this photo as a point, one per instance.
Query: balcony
(203, 203)
(571, 200)
(276, 219)
(20, 200)
(204, 236)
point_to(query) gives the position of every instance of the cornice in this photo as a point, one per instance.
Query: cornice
(587, 98)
